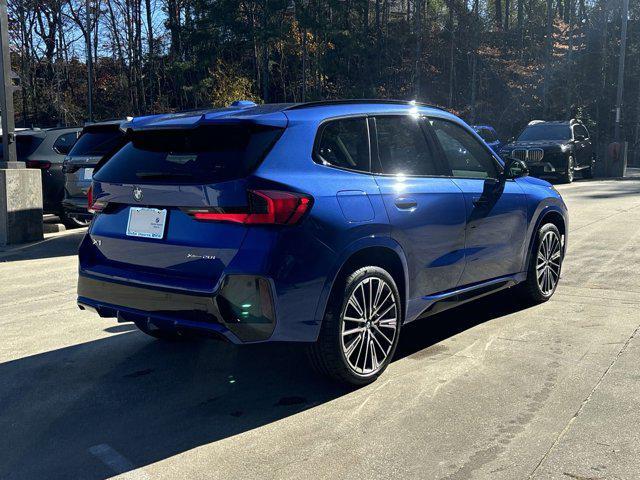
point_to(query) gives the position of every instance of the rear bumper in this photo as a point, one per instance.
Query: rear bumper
(171, 310)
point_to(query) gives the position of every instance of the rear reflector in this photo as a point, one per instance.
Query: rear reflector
(266, 207)
(94, 206)
(246, 306)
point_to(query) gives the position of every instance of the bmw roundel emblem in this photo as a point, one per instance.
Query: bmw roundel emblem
(137, 194)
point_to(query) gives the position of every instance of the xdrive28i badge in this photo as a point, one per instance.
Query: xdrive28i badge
(137, 194)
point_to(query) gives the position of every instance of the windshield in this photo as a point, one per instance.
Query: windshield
(545, 132)
(97, 143)
(205, 155)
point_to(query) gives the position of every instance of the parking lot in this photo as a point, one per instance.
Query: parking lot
(490, 390)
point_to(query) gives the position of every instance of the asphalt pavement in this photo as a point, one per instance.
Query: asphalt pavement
(490, 390)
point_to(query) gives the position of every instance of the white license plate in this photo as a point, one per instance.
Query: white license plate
(146, 222)
(87, 174)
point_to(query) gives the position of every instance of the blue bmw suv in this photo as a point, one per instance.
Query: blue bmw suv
(330, 223)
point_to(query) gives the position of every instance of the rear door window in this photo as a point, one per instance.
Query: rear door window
(344, 143)
(403, 148)
(205, 155)
(65, 142)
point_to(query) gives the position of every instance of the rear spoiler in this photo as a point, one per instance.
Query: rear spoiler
(193, 120)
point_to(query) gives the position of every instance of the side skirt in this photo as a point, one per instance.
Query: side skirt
(440, 302)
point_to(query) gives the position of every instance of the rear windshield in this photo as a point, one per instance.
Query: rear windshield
(25, 145)
(546, 132)
(96, 143)
(205, 155)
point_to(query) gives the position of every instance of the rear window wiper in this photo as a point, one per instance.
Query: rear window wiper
(162, 175)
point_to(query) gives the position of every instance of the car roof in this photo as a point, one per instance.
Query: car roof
(534, 123)
(114, 123)
(63, 129)
(276, 114)
(31, 132)
(111, 121)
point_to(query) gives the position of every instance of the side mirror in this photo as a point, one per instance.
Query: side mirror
(515, 168)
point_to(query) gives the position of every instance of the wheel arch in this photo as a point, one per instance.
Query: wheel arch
(548, 214)
(381, 252)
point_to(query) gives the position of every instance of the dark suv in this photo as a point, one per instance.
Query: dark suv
(96, 141)
(557, 149)
(45, 149)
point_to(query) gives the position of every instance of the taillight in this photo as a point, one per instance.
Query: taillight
(94, 206)
(42, 165)
(265, 207)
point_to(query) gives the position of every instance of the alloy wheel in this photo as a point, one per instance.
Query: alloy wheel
(369, 326)
(548, 263)
(570, 169)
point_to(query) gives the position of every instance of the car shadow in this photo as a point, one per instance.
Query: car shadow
(422, 335)
(56, 246)
(143, 400)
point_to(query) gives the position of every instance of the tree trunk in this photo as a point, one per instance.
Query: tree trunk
(569, 84)
(173, 24)
(520, 24)
(507, 13)
(547, 58)
(418, 51)
(265, 53)
(152, 58)
(451, 53)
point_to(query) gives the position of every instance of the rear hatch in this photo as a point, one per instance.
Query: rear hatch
(27, 141)
(96, 142)
(162, 197)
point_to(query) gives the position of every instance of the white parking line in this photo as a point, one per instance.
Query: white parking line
(117, 462)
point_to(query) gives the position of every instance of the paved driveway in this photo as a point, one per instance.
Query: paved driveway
(486, 391)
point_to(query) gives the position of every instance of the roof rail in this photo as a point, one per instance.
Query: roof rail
(535, 122)
(323, 103)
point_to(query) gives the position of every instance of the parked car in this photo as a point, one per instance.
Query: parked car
(46, 149)
(557, 149)
(331, 223)
(96, 141)
(489, 135)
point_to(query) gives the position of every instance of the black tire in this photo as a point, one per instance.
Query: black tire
(530, 291)
(588, 172)
(327, 355)
(161, 334)
(568, 176)
(71, 222)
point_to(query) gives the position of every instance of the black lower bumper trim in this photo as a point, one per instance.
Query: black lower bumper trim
(153, 302)
(113, 299)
